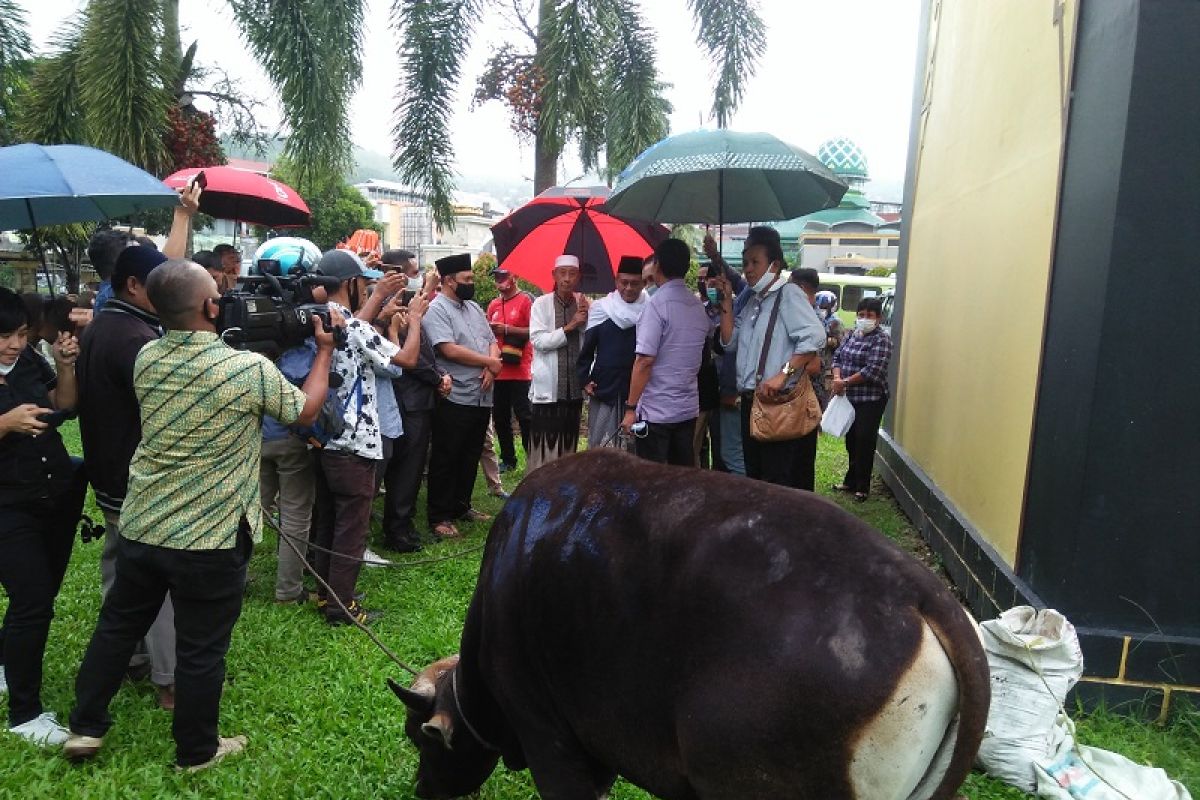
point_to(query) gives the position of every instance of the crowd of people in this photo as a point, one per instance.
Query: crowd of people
(189, 443)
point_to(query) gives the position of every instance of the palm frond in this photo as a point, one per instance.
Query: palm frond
(14, 34)
(638, 111)
(573, 37)
(49, 111)
(14, 62)
(734, 36)
(434, 36)
(124, 96)
(311, 50)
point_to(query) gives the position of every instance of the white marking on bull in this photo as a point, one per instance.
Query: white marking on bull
(903, 752)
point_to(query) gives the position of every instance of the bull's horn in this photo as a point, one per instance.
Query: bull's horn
(419, 701)
(440, 727)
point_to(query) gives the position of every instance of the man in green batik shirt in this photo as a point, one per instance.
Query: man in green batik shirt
(191, 513)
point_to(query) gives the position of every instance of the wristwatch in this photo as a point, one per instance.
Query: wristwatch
(788, 370)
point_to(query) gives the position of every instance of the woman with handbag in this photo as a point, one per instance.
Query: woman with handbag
(777, 337)
(860, 368)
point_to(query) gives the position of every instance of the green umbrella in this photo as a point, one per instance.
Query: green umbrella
(723, 176)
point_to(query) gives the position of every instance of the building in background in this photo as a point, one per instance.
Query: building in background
(851, 239)
(407, 220)
(1044, 427)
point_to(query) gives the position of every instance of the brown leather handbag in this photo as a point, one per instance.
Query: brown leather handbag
(787, 416)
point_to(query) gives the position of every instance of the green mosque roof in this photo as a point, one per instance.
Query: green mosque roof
(844, 157)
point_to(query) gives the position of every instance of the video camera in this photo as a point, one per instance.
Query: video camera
(269, 312)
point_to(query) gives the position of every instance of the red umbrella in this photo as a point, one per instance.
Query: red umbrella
(245, 196)
(571, 221)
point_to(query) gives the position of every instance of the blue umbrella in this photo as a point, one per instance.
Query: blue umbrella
(64, 183)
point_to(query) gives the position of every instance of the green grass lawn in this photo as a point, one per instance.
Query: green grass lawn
(313, 702)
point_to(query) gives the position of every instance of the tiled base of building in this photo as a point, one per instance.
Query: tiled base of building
(1131, 672)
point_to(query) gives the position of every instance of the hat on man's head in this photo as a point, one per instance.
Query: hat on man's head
(397, 257)
(500, 272)
(453, 264)
(344, 265)
(566, 261)
(135, 261)
(630, 265)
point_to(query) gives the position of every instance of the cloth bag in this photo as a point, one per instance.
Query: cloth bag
(1078, 772)
(1034, 658)
(838, 416)
(789, 416)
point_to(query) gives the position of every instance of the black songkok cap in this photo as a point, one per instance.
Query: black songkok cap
(452, 264)
(630, 265)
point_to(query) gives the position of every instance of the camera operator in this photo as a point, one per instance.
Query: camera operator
(346, 478)
(110, 429)
(40, 501)
(191, 513)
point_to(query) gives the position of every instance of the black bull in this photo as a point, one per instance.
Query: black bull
(703, 636)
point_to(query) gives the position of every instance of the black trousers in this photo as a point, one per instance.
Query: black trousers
(402, 478)
(861, 440)
(788, 463)
(206, 588)
(668, 443)
(35, 547)
(511, 398)
(458, 434)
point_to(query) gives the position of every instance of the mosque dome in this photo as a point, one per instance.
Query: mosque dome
(844, 158)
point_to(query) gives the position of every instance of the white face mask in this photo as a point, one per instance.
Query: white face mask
(415, 283)
(823, 313)
(864, 325)
(6, 368)
(762, 283)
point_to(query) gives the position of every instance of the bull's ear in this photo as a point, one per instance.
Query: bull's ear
(439, 727)
(419, 702)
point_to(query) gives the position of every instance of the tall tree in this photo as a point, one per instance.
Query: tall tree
(589, 77)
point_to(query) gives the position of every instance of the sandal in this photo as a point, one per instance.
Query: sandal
(841, 487)
(476, 516)
(446, 530)
(860, 497)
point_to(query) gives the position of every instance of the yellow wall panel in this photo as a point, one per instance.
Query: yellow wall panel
(979, 252)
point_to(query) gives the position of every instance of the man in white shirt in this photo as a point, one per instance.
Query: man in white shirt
(556, 324)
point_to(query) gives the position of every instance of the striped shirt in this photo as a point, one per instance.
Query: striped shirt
(195, 473)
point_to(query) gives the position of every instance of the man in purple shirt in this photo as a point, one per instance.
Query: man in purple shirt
(670, 343)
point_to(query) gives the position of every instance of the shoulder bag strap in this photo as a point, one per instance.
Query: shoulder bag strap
(762, 359)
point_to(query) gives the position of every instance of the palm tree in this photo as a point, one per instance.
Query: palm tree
(591, 78)
(117, 68)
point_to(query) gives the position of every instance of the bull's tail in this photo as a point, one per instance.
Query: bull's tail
(960, 640)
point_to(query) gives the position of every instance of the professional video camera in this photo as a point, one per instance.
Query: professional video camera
(269, 312)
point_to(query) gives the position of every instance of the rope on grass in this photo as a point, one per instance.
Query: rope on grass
(331, 593)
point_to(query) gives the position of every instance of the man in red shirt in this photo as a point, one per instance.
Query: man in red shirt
(508, 315)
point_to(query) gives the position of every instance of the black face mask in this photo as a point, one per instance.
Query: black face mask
(464, 291)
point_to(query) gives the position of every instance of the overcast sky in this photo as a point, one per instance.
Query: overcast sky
(832, 68)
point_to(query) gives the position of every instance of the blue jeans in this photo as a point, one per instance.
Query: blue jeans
(731, 440)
